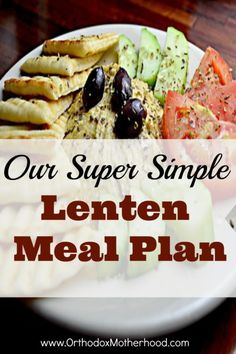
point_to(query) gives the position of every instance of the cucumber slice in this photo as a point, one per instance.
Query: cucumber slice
(199, 227)
(110, 269)
(142, 228)
(149, 59)
(117, 228)
(127, 55)
(174, 66)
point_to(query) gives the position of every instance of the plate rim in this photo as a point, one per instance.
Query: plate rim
(188, 315)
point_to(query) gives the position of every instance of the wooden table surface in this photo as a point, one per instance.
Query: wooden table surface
(24, 24)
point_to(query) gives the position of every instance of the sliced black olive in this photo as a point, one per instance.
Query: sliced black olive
(94, 88)
(122, 89)
(129, 121)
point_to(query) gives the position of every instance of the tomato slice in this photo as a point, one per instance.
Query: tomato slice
(221, 68)
(212, 74)
(221, 100)
(212, 71)
(186, 119)
(227, 130)
(213, 86)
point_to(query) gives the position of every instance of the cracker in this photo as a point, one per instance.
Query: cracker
(29, 131)
(59, 65)
(52, 87)
(81, 47)
(35, 111)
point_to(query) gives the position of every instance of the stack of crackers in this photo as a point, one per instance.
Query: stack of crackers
(42, 97)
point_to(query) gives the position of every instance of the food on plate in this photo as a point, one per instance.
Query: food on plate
(52, 87)
(35, 111)
(201, 221)
(30, 131)
(81, 47)
(227, 130)
(127, 55)
(110, 268)
(123, 100)
(94, 88)
(213, 70)
(221, 100)
(173, 71)
(59, 65)
(23, 279)
(212, 85)
(186, 119)
(122, 89)
(208, 109)
(136, 268)
(99, 121)
(129, 121)
(149, 58)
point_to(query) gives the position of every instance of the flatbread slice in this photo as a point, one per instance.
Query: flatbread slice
(81, 47)
(30, 131)
(33, 111)
(59, 65)
(52, 87)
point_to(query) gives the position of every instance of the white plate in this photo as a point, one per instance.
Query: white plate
(123, 317)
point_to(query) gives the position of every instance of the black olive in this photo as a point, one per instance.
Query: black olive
(94, 88)
(122, 89)
(129, 121)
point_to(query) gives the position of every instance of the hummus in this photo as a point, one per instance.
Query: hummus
(99, 121)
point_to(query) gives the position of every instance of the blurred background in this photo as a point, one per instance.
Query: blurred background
(22, 329)
(24, 24)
